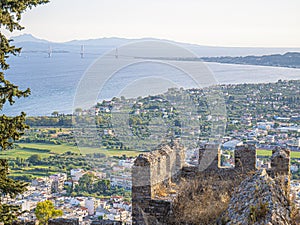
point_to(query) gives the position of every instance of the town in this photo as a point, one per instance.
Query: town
(85, 209)
(95, 185)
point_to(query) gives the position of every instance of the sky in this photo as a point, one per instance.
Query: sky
(247, 23)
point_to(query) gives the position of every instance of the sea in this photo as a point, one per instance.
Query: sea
(54, 80)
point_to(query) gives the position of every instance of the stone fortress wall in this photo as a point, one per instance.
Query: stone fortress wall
(166, 165)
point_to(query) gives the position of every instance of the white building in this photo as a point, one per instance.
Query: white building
(25, 205)
(76, 174)
(91, 204)
(294, 168)
(126, 163)
(77, 201)
(265, 125)
(121, 181)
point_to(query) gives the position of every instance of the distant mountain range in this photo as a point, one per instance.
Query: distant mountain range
(31, 43)
(289, 59)
(28, 38)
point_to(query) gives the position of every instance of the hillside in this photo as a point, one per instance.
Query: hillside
(31, 43)
(258, 200)
(289, 59)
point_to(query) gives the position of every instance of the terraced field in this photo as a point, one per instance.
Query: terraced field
(269, 153)
(45, 150)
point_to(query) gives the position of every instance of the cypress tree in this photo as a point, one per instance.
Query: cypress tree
(11, 127)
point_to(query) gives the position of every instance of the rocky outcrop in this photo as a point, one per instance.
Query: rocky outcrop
(258, 200)
(157, 170)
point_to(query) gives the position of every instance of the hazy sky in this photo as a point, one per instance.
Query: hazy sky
(266, 23)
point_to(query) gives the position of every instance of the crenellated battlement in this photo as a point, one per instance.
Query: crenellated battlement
(153, 168)
(209, 157)
(245, 158)
(280, 162)
(159, 168)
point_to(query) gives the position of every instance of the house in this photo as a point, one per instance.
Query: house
(230, 145)
(77, 201)
(91, 204)
(294, 168)
(76, 174)
(121, 181)
(57, 182)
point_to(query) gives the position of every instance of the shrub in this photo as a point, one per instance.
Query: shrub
(258, 212)
(204, 199)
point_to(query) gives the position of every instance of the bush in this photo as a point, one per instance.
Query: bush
(258, 212)
(204, 199)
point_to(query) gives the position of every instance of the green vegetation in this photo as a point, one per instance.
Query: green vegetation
(269, 153)
(45, 150)
(258, 212)
(246, 105)
(9, 187)
(32, 154)
(52, 136)
(89, 185)
(56, 120)
(45, 211)
(289, 59)
(31, 160)
(11, 128)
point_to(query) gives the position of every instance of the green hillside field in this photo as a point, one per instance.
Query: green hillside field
(45, 150)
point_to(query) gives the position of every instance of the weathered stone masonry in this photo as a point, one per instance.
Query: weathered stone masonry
(160, 168)
(150, 171)
(166, 165)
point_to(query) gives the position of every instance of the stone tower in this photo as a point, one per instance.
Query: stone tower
(245, 158)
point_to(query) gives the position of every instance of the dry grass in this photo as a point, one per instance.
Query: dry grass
(295, 211)
(295, 215)
(161, 191)
(284, 183)
(258, 212)
(204, 199)
(166, 190)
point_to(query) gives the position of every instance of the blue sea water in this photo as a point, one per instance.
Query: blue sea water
(53, 81)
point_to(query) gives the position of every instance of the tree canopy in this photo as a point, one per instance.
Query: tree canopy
(11, 128)
(45, 210)
(34, 159)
